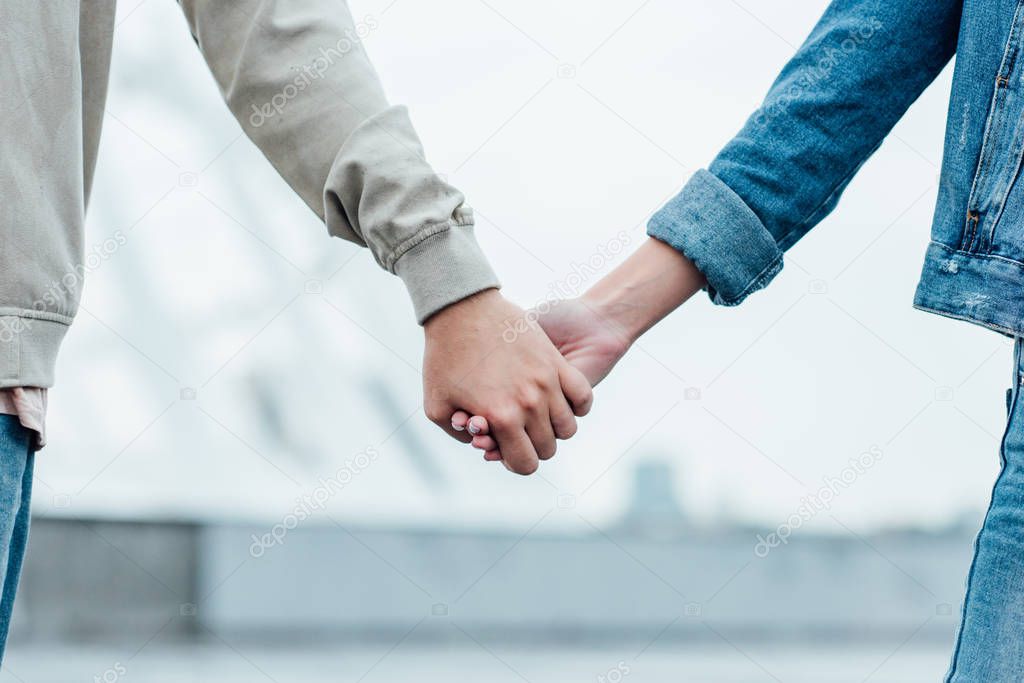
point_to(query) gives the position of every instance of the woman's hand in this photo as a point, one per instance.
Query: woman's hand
(589, 342)
(596, 330)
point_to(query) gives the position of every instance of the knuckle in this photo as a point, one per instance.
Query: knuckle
(435, 413)
(504, 418)
(530, 396)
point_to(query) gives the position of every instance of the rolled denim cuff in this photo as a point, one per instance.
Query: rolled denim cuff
(713, 227)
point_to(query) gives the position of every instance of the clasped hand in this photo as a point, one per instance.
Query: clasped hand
(511, 383)
(523, 379)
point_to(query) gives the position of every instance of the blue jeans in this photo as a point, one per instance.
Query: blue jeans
(16, 459)
(989, 646)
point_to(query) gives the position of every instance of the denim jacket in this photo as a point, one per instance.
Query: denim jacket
(863, 65)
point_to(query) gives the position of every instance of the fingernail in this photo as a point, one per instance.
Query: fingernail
(473, 428)
(458, 428)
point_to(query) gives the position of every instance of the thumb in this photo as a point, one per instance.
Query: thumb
(550, 320)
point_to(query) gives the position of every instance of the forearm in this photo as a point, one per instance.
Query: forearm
(862, 66)
(650, 284)
(860, 69)
(298, 80)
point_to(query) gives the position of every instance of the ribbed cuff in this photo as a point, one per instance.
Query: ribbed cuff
(714, 228)
(28, 349)
(444, 268)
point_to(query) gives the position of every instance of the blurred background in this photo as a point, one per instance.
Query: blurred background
(240, 484)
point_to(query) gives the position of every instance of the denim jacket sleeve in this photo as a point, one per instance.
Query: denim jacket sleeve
(861, 68)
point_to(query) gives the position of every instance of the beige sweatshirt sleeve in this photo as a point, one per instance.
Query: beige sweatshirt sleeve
(297, 78)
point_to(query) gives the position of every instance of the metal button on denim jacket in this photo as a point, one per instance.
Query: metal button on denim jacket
(863, 65)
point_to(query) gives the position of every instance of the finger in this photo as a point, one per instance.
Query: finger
(577, 389)
(455, 434)
(517, 450)
(459, 420)
(542, 434)
(492, 456)
(478, 425)
(440, 415)
(562, 420)
(485, 443)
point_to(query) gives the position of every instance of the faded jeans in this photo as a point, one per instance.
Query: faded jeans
(16, 460)
(990, 646)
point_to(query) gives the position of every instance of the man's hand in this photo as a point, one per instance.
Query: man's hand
(589, 341)
(529, 392)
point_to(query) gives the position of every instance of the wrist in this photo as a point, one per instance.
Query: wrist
(617, 307)
(474, 306)
(646, 287)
